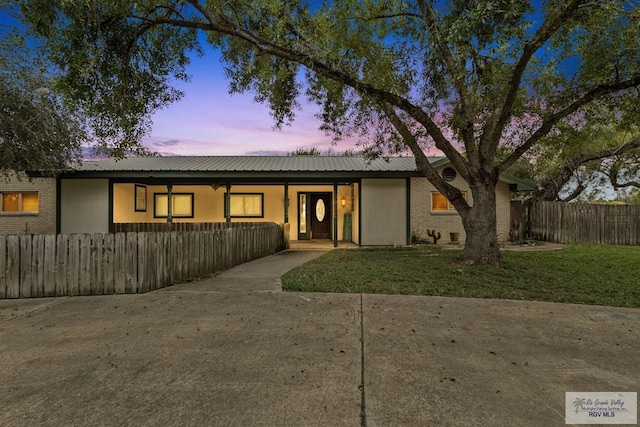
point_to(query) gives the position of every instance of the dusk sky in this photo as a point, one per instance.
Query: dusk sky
(209, 121)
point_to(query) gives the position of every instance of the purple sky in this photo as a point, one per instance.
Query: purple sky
(209, 121)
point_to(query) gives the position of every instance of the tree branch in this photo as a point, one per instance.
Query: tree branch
(616, 184)
(554, 118)
(548, 28)
(422, 162)
(457, 74)
(575, 193)
(387, 16)
(266, 47)
(613, 173)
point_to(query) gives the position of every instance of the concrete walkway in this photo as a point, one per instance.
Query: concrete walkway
(219, 352)
(261, 275)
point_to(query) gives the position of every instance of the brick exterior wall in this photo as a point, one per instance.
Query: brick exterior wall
(423, 220)
(43, 222)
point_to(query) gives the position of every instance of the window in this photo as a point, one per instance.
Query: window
(181, 205)
(19, 202)
(140, 195)
(246, 205)
(440, 203)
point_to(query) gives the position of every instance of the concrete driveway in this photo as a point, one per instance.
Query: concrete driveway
(234, 350)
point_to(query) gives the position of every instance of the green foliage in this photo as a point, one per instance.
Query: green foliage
(115, 70)
(37, 132)
(588, 154)
(460, 76)
(631, 197)
(315, 151)
(456, 64)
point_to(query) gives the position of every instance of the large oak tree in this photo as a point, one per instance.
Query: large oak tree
(463, 76)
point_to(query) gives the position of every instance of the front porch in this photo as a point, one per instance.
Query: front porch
(319, 214)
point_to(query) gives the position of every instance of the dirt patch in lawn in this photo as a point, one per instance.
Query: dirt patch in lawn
(531, 246)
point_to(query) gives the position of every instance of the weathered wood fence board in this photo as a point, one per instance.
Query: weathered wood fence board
(25, 266)
(131, 262)
(13, 267)
(584, 223)
(49, 266)
(3, 267)
(62, 258)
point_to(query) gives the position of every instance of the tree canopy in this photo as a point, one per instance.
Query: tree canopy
(583, 159)
(37, 132)
(458, 76)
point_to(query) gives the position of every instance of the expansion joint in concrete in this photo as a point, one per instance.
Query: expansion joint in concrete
(363, 406)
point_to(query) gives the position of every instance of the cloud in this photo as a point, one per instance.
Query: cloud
(266, 153)
(168, 143)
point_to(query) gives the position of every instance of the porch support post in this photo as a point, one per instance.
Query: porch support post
(111, 224)
(286, 202)
(360, 212)
(169, 203)
(227, 204)
(335, 214)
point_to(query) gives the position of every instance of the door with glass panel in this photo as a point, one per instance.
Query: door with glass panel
(314, 216)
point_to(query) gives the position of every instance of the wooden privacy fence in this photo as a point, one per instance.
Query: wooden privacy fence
(584, 223)
(97, 264)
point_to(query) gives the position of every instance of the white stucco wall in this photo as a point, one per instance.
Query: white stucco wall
(84, 206)
(384, 212)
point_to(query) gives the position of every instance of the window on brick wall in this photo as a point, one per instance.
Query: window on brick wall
(19, 202)
(440, 203)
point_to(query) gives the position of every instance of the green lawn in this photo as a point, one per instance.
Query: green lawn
(581, 274)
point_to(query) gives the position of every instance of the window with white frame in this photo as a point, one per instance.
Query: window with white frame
(19, 202)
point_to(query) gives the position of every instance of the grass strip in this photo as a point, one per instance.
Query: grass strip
(579, 274)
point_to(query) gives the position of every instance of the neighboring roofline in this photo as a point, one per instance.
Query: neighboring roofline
(522, 184)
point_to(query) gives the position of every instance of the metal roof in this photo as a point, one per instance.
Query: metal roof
(253, 164)
(257, 169)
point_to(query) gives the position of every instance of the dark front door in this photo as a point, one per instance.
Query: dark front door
(320, 210)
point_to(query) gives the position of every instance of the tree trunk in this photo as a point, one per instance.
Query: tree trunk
(480, 225)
